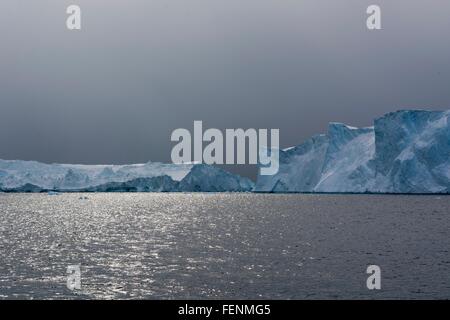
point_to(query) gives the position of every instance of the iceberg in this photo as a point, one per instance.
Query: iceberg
(32, 176)
(207, 178)
(407, 151)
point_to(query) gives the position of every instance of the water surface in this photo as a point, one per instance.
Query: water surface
(258, 246)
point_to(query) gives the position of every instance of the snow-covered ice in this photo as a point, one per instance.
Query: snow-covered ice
(32, 176)
(406, 151)
(403, 152)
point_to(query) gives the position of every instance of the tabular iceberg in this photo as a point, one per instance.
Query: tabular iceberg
(32, 176)
(406, 151)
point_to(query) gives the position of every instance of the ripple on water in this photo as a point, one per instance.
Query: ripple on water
(136, 245)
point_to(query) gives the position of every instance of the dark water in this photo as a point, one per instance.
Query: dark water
(224, 246)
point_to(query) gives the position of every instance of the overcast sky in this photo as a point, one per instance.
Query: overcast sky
(114, 91)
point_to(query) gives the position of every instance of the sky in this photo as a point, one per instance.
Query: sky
(113, 92)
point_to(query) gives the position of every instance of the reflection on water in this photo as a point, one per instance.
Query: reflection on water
(134, 246)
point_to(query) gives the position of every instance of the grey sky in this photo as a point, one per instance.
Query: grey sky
(114, 91)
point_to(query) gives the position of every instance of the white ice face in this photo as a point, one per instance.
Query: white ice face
(151, 176)
(405, 152)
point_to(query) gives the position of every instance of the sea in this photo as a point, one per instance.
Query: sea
(223, 246)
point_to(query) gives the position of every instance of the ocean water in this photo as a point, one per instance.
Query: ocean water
(236, 246)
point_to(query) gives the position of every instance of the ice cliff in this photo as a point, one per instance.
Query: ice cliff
(404, 152)
(31, 176)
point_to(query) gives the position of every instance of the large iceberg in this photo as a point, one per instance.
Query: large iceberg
(404, 152)
(32, 176)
